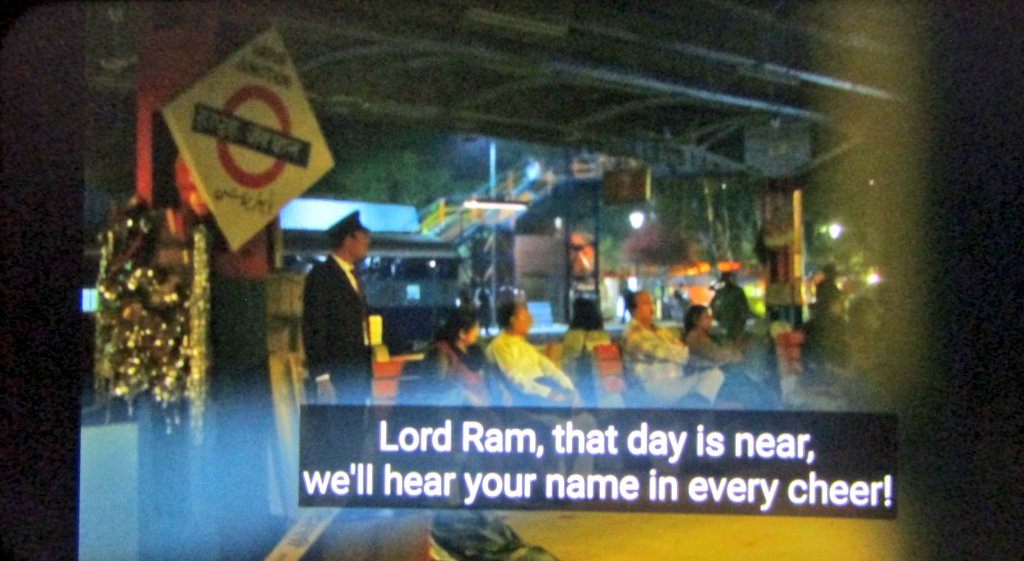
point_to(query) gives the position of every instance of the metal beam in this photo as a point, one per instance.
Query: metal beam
(510, 87)
(644, 145)
(723, 133)
(832, 154)
(694, 134)
(394, 109)
(621, 77)
(748, 66)
(597, 75)
(344, 55)
(625, 108)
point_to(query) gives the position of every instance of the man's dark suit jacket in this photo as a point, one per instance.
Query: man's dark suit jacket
(332, 330)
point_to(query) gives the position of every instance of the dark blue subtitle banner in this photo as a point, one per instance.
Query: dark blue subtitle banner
(714, 462)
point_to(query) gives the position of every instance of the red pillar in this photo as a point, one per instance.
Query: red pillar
(177, 47)
(783, 238)
(181, 43)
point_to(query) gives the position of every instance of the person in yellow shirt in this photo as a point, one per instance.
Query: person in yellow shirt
(531, 377)
(586, 331)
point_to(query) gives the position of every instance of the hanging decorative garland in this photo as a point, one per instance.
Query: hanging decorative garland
(151, 332)
(199, 315)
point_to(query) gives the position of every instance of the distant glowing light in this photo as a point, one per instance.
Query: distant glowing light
(874, 277)
(558, 222)
(835, 230)
(90, 300)
(432, 263)
(533, 170)
(636, 219)
(482, 204)
(871, 182)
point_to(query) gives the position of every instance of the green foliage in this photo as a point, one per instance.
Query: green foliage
(611, 254)
(723, 222)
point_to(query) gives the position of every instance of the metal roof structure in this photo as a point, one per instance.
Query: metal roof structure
(682, 83)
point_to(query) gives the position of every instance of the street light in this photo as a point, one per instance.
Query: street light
(636, 219)
(835, 230)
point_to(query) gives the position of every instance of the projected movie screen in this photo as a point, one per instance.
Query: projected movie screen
(330, 320)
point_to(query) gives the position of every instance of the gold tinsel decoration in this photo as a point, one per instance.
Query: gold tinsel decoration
(199, 313)
(151, 320)
(101, 357)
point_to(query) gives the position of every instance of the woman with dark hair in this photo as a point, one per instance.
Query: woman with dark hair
(705, 353)
(453, 368)
(692, 318)
(586, 331)
(738, 388)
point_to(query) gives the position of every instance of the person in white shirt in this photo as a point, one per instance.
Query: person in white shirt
(656, 357)
(531, 377)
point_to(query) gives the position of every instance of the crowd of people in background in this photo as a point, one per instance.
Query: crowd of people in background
(716, 360)
(661, 367)
(700, 366)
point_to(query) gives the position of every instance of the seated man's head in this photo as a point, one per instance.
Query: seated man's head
(514, 318)
(698, 318)
(461, 329)
(642, 308)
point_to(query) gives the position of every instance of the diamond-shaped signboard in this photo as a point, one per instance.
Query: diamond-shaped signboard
(249, 135)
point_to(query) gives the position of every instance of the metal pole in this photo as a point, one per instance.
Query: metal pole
(567, 226)
(493, 181)
(597, 245)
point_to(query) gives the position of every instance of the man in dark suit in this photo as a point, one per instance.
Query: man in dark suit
(334, 318)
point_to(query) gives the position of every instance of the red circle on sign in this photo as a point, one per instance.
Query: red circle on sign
(245, 178)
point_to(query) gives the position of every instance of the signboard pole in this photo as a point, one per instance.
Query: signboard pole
(597, 246)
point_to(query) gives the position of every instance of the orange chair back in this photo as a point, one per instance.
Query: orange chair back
(385, 378)
(608, 368)
(607, 360)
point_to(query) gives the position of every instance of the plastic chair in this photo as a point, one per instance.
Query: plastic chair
(386, 376)
(608, 368)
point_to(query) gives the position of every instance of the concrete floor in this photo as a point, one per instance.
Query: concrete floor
(592, 536)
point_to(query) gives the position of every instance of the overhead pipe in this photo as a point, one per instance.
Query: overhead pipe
(664, 86)
(751, 67)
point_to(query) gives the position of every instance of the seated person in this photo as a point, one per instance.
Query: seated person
(738, 388)
(586, 331)
(453, 370)
(531, 376)
(656, 359)
(705, 353)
